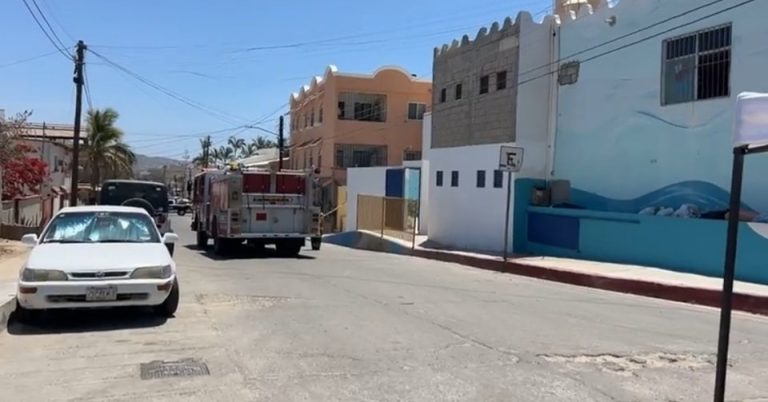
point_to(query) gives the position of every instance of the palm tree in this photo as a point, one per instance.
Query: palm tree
(105, 151)
(226, 154)
(204, 157)
(262, 142)
(250, 150)
(236, 144)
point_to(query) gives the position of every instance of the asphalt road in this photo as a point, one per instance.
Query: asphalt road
(342, 324)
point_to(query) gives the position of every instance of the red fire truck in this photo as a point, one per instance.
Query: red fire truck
(258, 206)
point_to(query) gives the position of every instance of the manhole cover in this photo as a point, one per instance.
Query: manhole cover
(177, 368)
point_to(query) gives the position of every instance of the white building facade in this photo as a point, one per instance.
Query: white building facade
(488, 92)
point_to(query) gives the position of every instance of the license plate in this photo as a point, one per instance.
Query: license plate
(101, 293)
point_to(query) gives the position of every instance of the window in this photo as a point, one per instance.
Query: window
(480, 178)
(697, 66)
(306, 120)
(354, 155)
(311, 162)
(484, 84)
(312, 118)
(442, 95)
(339, 157)
(501, 80)
(101, 226)
(455, 178)
(439, 178)
(416, 111)
(498, 179)
(364, 107)
(411, 155)
(458, 91)
(320, 116)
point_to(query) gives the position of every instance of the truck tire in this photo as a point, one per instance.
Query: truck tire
(220, 246)
(201, 239)
(289, 248)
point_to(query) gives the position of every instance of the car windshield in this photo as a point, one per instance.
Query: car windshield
(101, 227)
(116, 193)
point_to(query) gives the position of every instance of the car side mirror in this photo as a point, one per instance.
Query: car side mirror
(29, 240)
(170, 238)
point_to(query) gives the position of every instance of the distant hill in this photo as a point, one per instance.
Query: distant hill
(145, 163)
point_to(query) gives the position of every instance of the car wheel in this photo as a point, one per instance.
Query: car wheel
(171, 303)
(181, 211)
(25, 315)
(202, 239)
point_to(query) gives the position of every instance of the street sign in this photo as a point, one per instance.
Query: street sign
(510, 158)
(751, 117)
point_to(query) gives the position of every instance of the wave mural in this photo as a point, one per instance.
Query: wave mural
(705, 195)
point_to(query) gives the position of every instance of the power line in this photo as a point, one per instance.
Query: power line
(221, 115)
(592, 58)
(51, 12)
(28, 59)
(47, 35)
(656, 35)
(618, 38)
(87, 84)
(48, 24)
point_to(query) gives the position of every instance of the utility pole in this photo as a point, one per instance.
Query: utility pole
(280, 145)
(79, 61)
(206, 151)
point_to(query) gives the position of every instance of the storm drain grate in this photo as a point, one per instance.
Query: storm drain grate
(178, 368)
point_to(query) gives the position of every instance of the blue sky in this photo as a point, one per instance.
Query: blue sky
(227, 55)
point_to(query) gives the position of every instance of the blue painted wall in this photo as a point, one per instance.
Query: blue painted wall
(685, 245)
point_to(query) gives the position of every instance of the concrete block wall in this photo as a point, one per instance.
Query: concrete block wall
(476, 118)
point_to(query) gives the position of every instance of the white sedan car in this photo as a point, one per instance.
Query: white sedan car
(98, 256)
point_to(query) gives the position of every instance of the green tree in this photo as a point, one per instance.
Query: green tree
(237, 145)
(263, 142)
(105, 154)
(203, 158)
(225, 154)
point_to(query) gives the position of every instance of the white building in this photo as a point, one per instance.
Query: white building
(488, 92)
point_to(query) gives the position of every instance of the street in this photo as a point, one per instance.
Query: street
(343, 324)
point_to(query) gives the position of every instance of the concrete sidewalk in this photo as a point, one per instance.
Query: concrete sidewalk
(639, 280)
(12, 256)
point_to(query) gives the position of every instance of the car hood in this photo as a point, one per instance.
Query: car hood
(83, 257)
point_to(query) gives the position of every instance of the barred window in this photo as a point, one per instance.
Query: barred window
(697, 66)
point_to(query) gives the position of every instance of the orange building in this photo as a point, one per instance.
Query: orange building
(346, 120)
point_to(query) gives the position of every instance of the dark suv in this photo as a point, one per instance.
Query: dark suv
(151, 196)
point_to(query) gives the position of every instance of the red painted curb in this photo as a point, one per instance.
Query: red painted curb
(705, 297)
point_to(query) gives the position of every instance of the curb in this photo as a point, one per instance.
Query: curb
(6, 309)
(748, 303)
(706, 297)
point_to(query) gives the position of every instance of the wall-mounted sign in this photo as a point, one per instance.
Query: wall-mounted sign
(510, 158)
(751, 119)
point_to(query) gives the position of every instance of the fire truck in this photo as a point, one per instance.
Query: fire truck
(238, 205)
